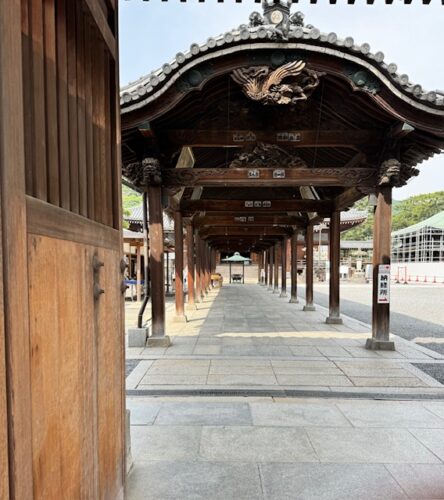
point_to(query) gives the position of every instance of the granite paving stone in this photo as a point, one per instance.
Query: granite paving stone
(328, 482)
(256, 444)
(165, 443)
(433, 439)
(390, 414)
(194, 480)
(297, 415)
(419, 481)
(204, 413)
(371, 445)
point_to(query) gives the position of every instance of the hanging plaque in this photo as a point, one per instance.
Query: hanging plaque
(383, 284)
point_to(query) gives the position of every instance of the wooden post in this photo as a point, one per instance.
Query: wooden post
(190, 265)
(138, 274)
(270, 269)
(284, 245)
(178, 245)
(15, 407)
(309, 269)
(380, 339)
(266, 262)
(334, 316)
(198, 297)
(276, 269)
(157, 268)
(294, 268)
(259, 267)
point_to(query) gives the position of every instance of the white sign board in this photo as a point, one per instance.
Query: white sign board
(383, 284)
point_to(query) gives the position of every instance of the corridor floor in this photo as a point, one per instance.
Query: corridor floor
(216, 416)
(245, 337)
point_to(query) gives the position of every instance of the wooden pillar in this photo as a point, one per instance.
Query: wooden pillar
(382, 227)
(334, 315)
(270, 269)
(156, 265)
(294, 268)
(309, 269)
(139, 274)
(198, 296)
(259, 267)
(190, 265)
(178, 244)
(284, 245)
(276, 269)
(266, 261)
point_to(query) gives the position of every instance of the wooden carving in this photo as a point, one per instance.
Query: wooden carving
(266, 155)
(394, 173)
(143, 174)
(264, 85)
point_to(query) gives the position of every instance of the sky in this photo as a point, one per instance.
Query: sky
(412, 36)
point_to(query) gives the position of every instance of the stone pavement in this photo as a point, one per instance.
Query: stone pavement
(246, 339)
(285, 448)
(214, 416)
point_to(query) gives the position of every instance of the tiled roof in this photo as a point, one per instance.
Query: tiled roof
(136, 215)
(309, 38)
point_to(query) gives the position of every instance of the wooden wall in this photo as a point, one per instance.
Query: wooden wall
(70, 106)
(61, 346)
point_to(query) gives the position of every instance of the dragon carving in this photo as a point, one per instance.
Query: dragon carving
(144, 174)
(264, 85)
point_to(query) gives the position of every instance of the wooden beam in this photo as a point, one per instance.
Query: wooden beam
(244, 221)
(190, 264)
(178, 248)
(348, 198)
(296, 138)
(268, 177)
(259, 206)
(284, 245)
(241, 231)
(294, 268)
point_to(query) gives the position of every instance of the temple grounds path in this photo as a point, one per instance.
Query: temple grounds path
(257, 399)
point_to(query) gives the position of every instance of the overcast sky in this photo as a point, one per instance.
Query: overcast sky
(412, 36)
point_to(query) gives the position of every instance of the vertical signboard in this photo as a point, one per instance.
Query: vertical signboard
(384, 284)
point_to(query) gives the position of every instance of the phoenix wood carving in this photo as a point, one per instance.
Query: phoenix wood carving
(264, 85)
(264, 155)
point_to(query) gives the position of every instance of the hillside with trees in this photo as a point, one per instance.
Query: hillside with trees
(405, 213)
(130, 199)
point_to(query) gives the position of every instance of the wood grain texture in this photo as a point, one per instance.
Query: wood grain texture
(14, 250)
(45, 219)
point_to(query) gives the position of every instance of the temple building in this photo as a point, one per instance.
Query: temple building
(253, 138)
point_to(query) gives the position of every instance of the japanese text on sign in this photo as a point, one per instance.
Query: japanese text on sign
(384, 284)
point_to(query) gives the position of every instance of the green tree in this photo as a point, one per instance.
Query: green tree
(130, 199)
(404, 214)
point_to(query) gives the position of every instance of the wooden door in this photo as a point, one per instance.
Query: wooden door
(62, 324)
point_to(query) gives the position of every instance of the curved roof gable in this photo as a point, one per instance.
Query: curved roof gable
(260, 34)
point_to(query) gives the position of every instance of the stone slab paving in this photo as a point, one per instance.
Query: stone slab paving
(282, 448)
(245, 338)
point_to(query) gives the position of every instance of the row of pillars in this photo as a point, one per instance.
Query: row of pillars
(201, 263)
(269, 269)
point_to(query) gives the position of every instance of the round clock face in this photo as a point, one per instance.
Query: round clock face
(276, 16)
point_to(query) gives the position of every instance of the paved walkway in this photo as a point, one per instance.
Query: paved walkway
(245, 338)
(263, 448)
(195, 440)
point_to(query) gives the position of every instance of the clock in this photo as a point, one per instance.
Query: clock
(276, 17)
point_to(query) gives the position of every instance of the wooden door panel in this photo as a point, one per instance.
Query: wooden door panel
(62, 368)
(111, 369)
